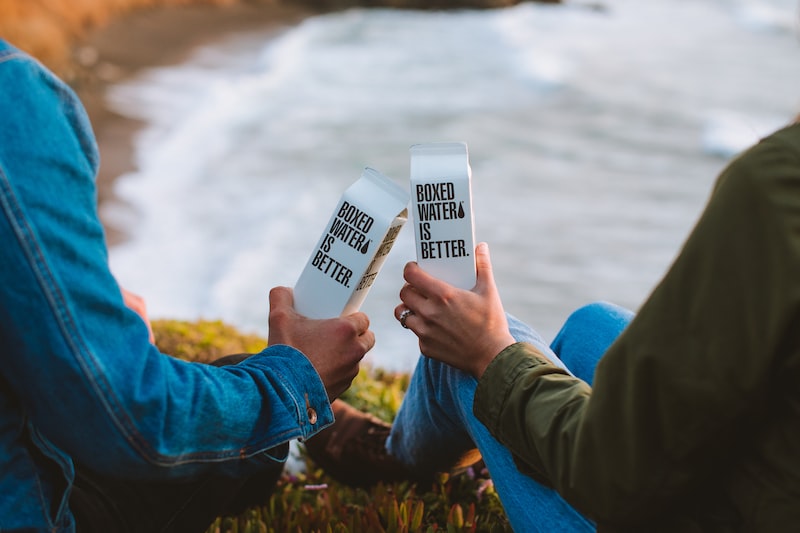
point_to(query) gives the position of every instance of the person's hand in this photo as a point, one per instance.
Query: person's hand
(136, 304)
(465, 329)
(334, 346)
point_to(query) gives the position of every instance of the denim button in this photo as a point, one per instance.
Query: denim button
(312, 415)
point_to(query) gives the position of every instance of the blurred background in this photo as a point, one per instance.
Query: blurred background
(595, 130)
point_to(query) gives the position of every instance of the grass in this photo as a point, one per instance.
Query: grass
(310, 501)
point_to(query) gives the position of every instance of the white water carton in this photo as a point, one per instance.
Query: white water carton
(441, 201)
(353, 248)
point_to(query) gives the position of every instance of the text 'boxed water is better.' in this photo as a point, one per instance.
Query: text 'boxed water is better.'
(441, 201)
(353, 248)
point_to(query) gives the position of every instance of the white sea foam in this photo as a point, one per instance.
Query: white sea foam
(594, 136)
(770, 16)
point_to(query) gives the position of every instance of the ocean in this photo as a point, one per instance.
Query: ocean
(595, 133)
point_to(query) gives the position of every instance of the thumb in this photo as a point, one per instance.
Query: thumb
(483, 266)
(281, 297)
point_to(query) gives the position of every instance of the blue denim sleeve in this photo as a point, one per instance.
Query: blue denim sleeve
(76, 360)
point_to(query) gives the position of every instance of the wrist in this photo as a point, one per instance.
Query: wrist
(495, 349)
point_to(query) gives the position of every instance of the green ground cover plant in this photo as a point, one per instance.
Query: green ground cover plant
(307, 500)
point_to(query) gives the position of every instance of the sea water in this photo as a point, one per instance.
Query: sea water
(595, 134)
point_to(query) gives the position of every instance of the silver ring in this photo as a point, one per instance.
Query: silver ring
(404, 316)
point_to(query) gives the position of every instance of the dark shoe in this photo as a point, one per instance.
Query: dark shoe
(353, 451)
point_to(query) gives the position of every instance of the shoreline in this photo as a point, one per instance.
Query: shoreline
(149, 38)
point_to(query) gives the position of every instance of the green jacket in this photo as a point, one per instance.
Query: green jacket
(693, 422)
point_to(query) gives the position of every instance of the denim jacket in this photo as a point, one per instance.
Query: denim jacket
(79, 380)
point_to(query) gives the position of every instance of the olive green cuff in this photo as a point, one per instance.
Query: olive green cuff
(498, 378)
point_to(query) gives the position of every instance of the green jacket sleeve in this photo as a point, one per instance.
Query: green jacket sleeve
(683, 389)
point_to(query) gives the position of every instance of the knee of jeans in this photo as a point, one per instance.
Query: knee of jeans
(591, 313)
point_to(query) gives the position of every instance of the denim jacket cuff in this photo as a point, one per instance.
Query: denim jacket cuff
(304, 385)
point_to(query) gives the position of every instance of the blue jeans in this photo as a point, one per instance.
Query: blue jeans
(435, 424)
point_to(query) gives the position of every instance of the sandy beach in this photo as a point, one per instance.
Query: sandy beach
(150, 38)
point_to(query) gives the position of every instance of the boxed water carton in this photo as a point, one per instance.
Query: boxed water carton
(353, 248)
(441, 200)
